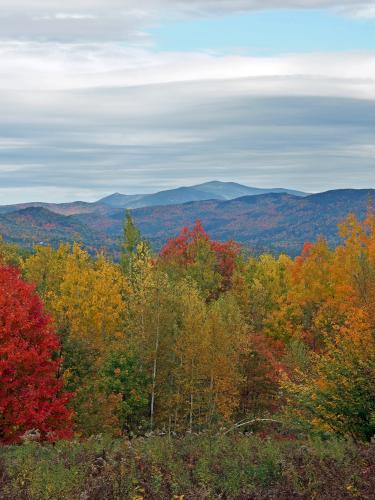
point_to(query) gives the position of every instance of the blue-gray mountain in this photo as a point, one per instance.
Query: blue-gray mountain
(214, 190)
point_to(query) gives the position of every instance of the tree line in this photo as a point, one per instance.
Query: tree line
(197, 337)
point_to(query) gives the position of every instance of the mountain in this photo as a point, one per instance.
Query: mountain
(118, 200)
(271, 222)
(172, 197)
(230, 190)
(167, 197)
(214, 190)
(38, 225)
(76, 207)
(276, 222)
(210, 190)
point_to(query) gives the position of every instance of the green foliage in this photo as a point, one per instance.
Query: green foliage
(38, 472)
(337, 394)
(203, 269)
(202, 466)
(124, 375)
(80, 377)
(79, 363)
(131, 240)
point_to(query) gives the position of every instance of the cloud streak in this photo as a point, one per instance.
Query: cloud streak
(52, 66)
(141, 138)
(128, 20)
(90, 106)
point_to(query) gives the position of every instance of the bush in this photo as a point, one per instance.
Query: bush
(196, 466)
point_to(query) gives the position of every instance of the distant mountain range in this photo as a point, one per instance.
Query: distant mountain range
(276, 221)
(272, 222)
(214, 190)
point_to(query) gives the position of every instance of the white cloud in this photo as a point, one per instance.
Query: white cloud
(84, 114)
(66, 15)
(81, 5)
(262, 131)
(365, 11)
(35, 66)
(68, 20)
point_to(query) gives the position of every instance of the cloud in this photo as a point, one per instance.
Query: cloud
(53, 66)
(143, 5)
(365, 11)
(90, 107)
(294, 122)
(128, 20)
(95, 118)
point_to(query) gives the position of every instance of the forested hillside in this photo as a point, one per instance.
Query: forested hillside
(273, 222)
(269, 222)
(205, 372)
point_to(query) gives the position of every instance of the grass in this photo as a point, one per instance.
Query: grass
(192, 467)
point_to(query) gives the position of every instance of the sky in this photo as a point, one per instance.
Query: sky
(136, 96)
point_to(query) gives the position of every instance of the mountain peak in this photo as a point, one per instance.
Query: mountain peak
(215, 189)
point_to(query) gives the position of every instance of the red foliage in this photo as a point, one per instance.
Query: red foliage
(272, 352)
(306, 252)
(30, 390)
(263, 371)
(183, 250)
(180, 248)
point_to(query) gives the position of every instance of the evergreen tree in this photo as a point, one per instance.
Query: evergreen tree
(131, 240)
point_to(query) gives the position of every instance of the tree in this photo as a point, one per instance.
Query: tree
(91, 306)
(86, 297)
(191, 349)
(80, 374)
(227, 343)
(355, 263)
(259, 286)
(46, 269)
(150, 314)
(123, 375)
(210, 263)
(9, 254)
(262, 367)
(337, 393)
(30, 392)
(205, 377)
(131, 239)
(312, 305)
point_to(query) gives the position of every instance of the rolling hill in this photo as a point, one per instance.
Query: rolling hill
(270, 222)
(38, 225)
(276, 222)
(76, 207)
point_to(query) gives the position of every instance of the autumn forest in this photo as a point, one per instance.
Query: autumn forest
(137, 378)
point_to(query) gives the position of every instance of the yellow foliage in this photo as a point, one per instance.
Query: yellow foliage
(9, 254)
(91, 304)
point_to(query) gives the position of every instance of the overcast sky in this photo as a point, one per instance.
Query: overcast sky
(142, 95)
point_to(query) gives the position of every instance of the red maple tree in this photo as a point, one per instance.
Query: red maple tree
(30, 392)
(184, 248)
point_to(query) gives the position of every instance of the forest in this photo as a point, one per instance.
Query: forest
(198, 372)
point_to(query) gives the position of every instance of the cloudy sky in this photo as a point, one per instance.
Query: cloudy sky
(98, 96)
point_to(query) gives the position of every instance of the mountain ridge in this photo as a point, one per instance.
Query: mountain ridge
(274, 222)
(183, 194)
(208, 190)
(237, 190)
